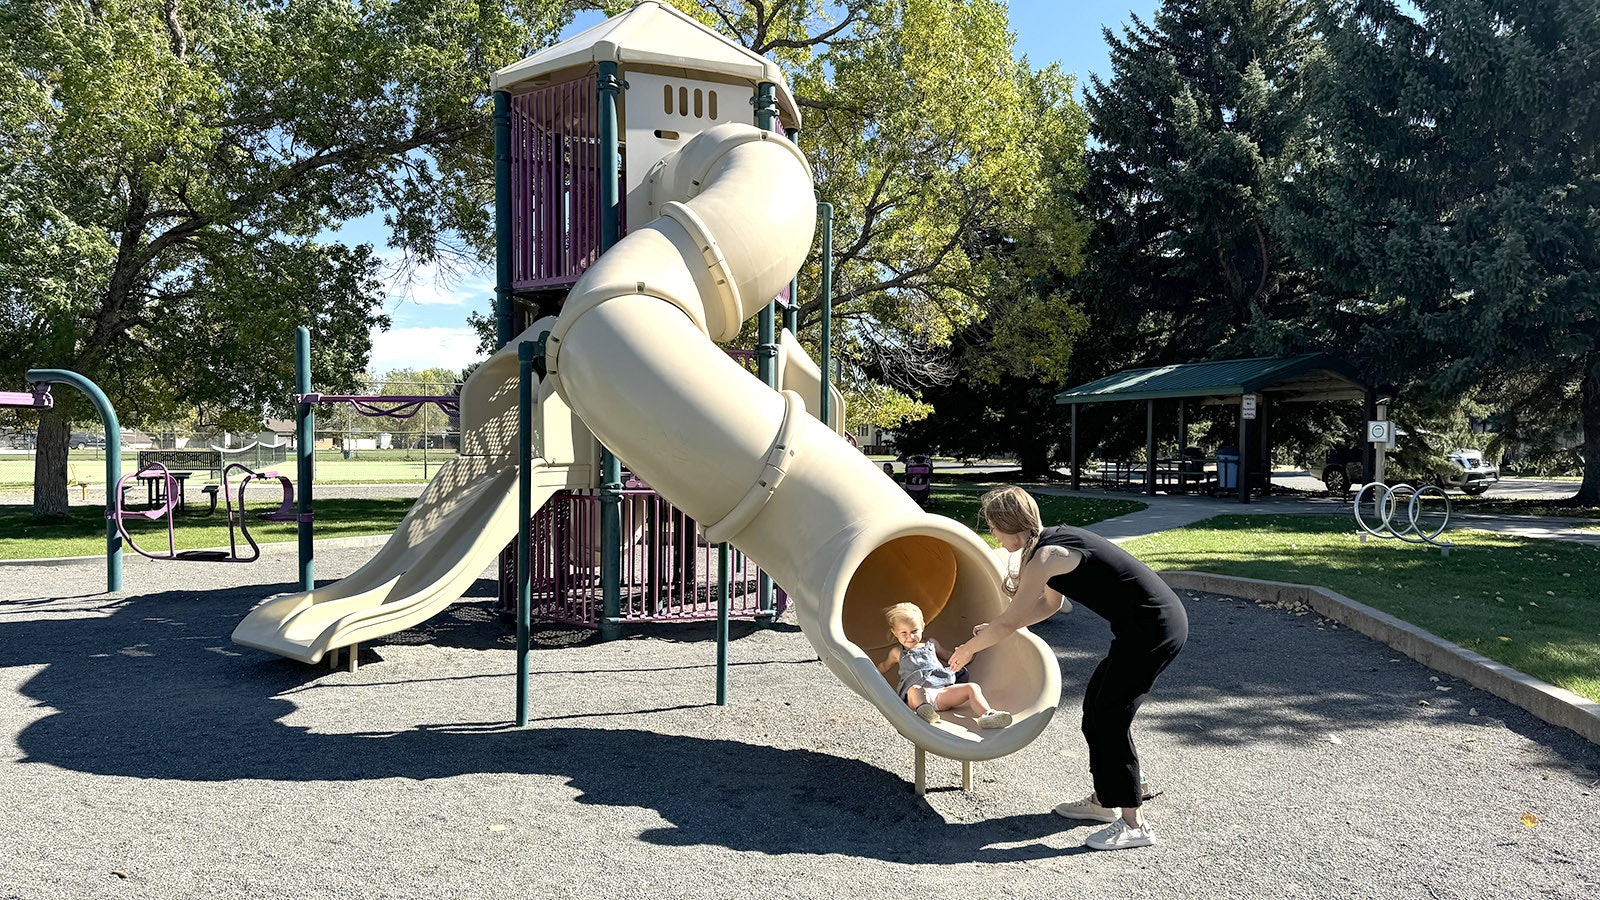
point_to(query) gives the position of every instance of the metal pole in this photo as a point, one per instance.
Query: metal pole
(1183, 444)
(1150, 447)
(825, 351)
(304, 446)
(502, 219)
(724, 576)
(1243, 466)
(609, 87)
(766, 104)
(1077, 480)
(113, 460)
(526, 351)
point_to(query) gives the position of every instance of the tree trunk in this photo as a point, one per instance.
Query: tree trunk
(50, 466)
(1589, 397)
(1034, 459)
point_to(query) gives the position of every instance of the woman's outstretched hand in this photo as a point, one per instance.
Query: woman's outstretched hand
(959, 658)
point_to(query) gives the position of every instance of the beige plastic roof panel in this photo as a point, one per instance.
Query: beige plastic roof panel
(652, 36)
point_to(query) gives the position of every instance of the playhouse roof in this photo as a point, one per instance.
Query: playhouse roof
(650, 35)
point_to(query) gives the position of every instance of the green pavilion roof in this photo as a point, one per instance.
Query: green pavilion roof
(1314, 376)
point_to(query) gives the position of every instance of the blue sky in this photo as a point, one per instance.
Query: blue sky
(430, 313)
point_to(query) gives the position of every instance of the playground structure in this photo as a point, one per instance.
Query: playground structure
(38, 396)
(238, 519)
(724, 215)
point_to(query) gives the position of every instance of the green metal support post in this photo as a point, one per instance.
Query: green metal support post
(305, 440)
(724, 576)
(610, 87)
(766, 103)
(825, 351)
(526, 352)
(108, 416)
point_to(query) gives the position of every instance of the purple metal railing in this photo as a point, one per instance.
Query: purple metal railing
(668, 572)
(555, 184)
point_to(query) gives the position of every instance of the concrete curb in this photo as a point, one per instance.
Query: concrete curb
(370, 540)
(1550, 703)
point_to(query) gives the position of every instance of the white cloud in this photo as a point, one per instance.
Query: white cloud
(421, 348)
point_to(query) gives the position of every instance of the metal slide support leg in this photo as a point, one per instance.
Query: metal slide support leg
(724, 579)
(966, 774)
(921, 784)
(355, 651)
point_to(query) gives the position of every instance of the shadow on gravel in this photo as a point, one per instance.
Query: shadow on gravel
(1252, 675)
(156, 690)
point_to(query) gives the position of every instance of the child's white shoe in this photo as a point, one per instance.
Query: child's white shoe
(994, 718)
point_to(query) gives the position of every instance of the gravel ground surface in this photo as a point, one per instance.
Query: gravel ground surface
(143, 755)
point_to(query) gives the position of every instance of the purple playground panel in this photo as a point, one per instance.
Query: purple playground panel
(396, 406)
(38, 398)
(555, 184)
(669, 573)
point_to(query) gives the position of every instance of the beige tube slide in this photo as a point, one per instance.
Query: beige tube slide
(462, 520)
(633, 354)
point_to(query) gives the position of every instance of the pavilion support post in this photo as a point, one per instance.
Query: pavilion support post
(1243, 473)
(1076, 480)
(1150, 447)
(1369, 450)
(1183, 442)
(1264, 427)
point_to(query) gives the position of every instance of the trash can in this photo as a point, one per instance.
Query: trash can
(349, 453)
(1227, 469)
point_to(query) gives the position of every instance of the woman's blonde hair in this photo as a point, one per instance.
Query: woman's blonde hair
(904, 612)
(1012, 510)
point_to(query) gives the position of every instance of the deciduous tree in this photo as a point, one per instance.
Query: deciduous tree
(167, 169)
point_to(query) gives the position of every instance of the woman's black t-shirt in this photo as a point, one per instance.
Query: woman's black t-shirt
(1111, 583)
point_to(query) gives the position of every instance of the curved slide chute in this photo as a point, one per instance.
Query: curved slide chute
(633, 353)
(460, 523)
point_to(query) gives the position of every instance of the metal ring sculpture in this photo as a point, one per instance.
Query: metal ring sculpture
(1385, 502)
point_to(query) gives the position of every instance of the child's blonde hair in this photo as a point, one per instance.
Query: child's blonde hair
(904, 612)
(1012, 510)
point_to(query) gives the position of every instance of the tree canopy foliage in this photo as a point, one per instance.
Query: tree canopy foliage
(946, 160)
(1452, 201)
(167, 172)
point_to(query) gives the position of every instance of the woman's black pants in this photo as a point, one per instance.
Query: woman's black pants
(1116, 691)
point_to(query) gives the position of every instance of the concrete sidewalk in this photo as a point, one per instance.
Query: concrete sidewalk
(1166, 511)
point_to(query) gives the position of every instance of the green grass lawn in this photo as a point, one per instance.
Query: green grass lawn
(1531, 604)
(1506, 506)
(960, 502)
(83, 533)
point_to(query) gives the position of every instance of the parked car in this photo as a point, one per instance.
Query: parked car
(1463, 468)
(78, 441)
(1471, 473)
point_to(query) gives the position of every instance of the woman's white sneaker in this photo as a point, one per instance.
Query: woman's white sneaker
(1119, 835)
